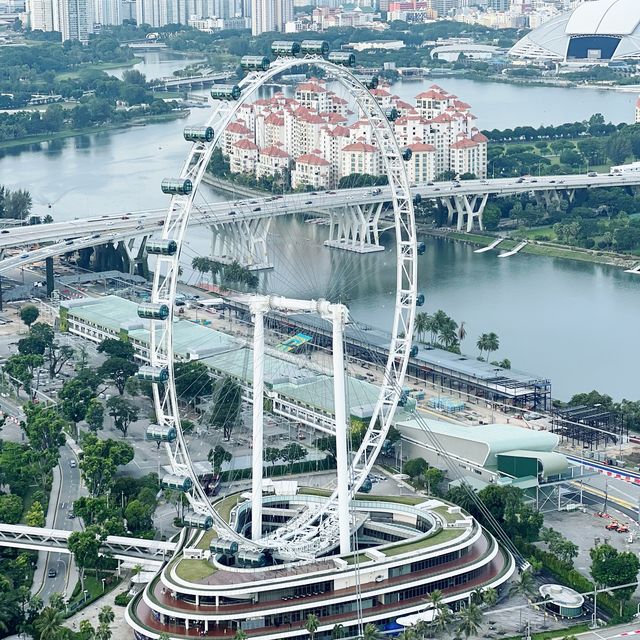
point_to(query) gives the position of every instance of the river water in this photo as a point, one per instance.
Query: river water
(574, 323)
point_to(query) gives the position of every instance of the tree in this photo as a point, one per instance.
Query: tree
(44, 429)
(492, 344)
(192, 380)
(337, 632)
(311, 625)
(56, 601)
(116, 348)
(139, 516)
(86, 630)
(489, 596)
(217, 457)
(35, 516)
(421, 325)
(470, 620)
(29, 314)
(240, 634)
(123, 413)
(293, 452)
(326, 444)
(118, 370)
(611, 568)
(100, 461)
(20, 369)
(482, 344)
(371, 632)
(524, 586)
(415, 467)
(95, 415)
(85, 547)
(227, 399)
(76, 398)
(48, 625)
(106, 615)
(10, 508)
(30, 346)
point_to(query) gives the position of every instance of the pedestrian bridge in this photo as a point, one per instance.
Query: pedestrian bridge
(18, 536)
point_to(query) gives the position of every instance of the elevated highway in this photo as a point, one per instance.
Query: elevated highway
(354, 214)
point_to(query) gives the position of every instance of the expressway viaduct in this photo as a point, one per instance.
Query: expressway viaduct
(240, 228)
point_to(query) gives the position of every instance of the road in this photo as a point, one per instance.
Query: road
(69, 490)
(86, 232)
(619, 631)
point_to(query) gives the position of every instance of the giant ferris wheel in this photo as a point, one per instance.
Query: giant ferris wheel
(316, 530)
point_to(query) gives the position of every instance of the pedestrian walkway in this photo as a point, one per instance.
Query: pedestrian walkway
(120, 630)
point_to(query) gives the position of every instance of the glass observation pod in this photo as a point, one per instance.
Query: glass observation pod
(251, 559)
(153, 311)
(255, 63)
(226, 547)
(178, 483)
(226, 92)
(285, 48)
(343, 58)
(153, 374)
(315, 48)
(419, 299)
(414, 351)
(161, 247)
(177, 186)
(370, 82)
(422, 247)
(407, 154)
(198, 134)
(197, 521)
(161, 434)
(391, 113)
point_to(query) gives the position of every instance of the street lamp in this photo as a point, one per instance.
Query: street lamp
(86, 593)
(103, 584)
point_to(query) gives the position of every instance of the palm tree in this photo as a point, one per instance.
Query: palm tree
(337, 632)
(56, 601)
(470, 620)
(443, 620)
(524, 586)
(421, 325)
(86, 630)
(103, 632)
(49, 624)
(462, 332)
(407, 634)
(432, 328)
(434, 599)
(240, 634)
(449, 335)
(371, 632)
(482, 344)
(489, 596)
(493, 344)
(476, 596)
(164, 636)
(106, 615)
(137, 570)
(311, 625)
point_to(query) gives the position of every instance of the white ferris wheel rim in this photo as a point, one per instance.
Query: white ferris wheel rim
(166, 277)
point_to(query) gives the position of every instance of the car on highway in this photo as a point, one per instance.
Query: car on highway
(592, 174)
(309, 202)
(258, 209)
(52, 573)
(71, 515)
(5, 231)
(232, 213)
(24, 255)
(72, 463)
(376, 191)
(95, 235)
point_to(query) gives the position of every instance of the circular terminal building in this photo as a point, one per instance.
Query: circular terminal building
(404, 548)
(562, 601)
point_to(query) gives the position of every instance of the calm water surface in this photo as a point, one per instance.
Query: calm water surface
(574, 323)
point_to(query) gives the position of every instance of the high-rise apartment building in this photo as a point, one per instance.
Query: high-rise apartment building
(44, 15)
(107, 12)
(152, 12)
(270, 15)
(76, 19)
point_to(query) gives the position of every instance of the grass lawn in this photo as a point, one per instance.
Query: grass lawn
(206, 539)
(100, 66)
(311, 491)
(225, 506)
(558, 633)
(194, 570)
(93, 586)
(535, 233)
(445, 535)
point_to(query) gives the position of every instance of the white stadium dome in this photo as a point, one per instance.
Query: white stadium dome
(595, 31)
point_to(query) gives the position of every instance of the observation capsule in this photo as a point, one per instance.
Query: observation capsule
(227, 547)
(422, 247)
(178, 483)
(161, 247)
(407, 154)
(177, 186)
(370, 82)
(255, 63)
(160, 433)
(198, 134)
(414, 351)
(285, 48)
(417, 199)
(226, 92)
(251, 558)
(153, 374)
(315, 48)
(419, 299)
(343, 58)
(153, 311)
(391, 113)
(197, 521)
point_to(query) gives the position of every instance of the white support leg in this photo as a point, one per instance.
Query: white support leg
(344, 519)
(355, 228)
(258, 395)
(450, 210)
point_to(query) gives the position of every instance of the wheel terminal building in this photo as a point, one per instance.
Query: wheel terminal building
(405, 548)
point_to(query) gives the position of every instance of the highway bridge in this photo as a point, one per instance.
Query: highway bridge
(354, 216)
(190, 82)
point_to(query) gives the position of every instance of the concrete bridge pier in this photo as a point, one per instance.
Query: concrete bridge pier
(355, 228)
(468, 208)
(244, 241)
(134, 255)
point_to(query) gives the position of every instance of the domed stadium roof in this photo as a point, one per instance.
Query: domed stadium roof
(595, 31)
